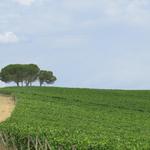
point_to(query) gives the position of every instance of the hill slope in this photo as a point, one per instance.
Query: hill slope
(83, 118)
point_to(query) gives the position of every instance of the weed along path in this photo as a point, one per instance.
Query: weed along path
(7, 105)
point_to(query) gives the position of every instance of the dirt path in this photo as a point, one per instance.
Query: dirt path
(7, 105)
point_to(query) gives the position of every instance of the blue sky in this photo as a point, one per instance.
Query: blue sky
(86, 43)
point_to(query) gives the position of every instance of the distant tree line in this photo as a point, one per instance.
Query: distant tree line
(26, 74)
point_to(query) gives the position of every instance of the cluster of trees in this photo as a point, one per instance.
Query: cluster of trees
(26, 74)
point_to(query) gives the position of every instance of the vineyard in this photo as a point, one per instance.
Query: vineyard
(49, 118)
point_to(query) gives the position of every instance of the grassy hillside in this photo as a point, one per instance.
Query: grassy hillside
(80, 118)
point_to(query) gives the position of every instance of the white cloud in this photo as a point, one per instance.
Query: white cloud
(25, 2)
(8, 37)
(129, 11)
(135, 11)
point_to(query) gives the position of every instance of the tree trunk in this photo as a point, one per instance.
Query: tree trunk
(41, 83)
(27, 83)
(17, 84)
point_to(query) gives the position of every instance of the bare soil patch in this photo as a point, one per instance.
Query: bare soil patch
(7, 105)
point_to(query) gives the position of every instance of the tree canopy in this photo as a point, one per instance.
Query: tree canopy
(46, 77)
(26, 74)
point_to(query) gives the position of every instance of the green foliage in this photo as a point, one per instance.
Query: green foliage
(12, 73)
(30, 73)
(47, 77)
(87, 119)
(26, 73)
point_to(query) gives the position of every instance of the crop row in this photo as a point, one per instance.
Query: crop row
(79, 119)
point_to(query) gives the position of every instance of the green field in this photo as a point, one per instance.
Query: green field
(80, 118)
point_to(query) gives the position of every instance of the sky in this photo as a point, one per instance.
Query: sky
(86, 43)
